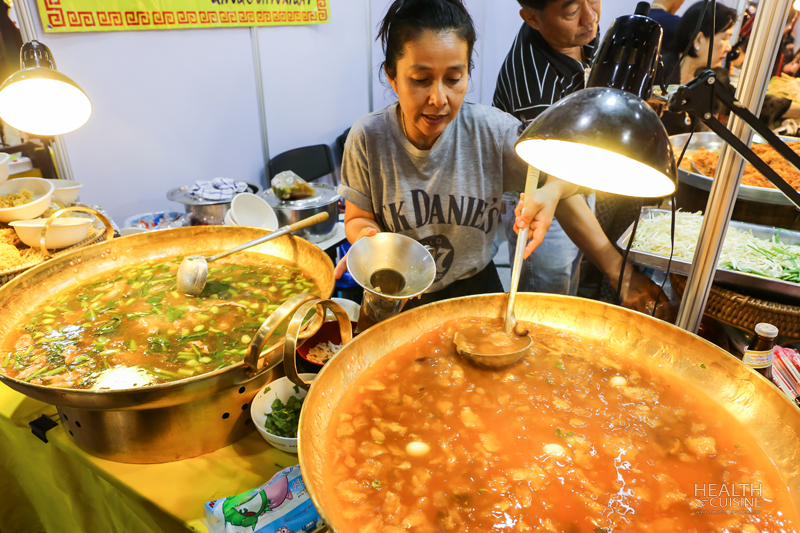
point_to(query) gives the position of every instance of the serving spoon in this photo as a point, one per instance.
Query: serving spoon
(193, 272)
(464, 344)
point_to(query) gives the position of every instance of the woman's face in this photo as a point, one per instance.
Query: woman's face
(431, 83)
(722, 45)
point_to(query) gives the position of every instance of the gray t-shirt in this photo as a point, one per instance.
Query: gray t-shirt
(448, 197)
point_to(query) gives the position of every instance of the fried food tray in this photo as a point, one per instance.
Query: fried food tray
(762, 287)
(711, 141)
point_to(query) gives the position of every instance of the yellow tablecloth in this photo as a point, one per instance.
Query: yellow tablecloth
(55, 487)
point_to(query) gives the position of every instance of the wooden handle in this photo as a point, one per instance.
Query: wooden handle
(310, 221)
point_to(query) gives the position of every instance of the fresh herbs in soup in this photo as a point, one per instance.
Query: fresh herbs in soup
(130, 327)
(574, 438)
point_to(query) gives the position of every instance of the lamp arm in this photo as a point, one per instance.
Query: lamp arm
(696, 98)
(743, 150)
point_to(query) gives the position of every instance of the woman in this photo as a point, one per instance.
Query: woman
(714, 32)
(434, 168)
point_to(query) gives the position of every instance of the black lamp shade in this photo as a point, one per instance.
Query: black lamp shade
(628, 57)
(605, 139)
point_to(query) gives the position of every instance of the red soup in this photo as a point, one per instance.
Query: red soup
(575, 438)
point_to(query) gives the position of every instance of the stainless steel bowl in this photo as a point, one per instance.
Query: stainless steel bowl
(325, 200)
(205, 212)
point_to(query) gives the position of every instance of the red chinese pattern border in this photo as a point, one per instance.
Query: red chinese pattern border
(57, 18)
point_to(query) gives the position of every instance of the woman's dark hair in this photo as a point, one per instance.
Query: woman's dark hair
(407, 19)
(685, 35)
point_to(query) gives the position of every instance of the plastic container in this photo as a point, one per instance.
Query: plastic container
(155, 220)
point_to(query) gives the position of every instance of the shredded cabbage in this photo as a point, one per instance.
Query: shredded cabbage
(741, 251)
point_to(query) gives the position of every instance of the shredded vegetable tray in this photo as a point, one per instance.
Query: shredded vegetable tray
(751, 283)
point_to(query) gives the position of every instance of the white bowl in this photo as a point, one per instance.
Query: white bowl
(229, 221)
(251, 210)
(66, 191)
(62, 233)
(4, 166)
(42, 190)
(350, 307)
(261, 406)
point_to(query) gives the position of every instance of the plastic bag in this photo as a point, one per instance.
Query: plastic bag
(289, 186)
(281, 505)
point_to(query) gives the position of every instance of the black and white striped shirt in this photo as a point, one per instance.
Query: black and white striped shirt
(534, 75)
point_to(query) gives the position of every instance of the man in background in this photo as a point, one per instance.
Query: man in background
(547, 62)
(663, 12)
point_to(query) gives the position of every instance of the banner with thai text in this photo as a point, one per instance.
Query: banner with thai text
(64, 16)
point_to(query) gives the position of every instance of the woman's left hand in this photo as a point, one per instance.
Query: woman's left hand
(537, 213)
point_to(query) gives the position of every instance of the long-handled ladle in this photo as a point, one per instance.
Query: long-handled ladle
(518, 348)
(193, 272)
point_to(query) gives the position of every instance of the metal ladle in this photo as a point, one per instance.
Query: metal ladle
(193, 272)
(510, 325)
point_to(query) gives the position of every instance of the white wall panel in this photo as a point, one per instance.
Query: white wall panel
(315, 78)
(170, 107)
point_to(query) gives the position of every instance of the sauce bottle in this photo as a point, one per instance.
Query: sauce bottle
(759, 354)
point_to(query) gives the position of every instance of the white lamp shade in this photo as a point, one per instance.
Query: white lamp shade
(595, 168)
(43, 102)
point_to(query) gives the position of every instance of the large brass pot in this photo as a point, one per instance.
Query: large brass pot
(768, 415)
(170, 421)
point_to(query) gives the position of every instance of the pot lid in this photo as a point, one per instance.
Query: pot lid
(324, 195)
(183, 196)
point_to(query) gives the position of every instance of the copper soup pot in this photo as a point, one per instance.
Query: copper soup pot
(759, 406)
(170, 421)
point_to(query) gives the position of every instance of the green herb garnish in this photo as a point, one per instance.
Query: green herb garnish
(560, 366)
(702, 366)
(283, 419)
(564, 435)
(376, 484)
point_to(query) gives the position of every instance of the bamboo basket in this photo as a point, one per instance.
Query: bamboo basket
(744, 312)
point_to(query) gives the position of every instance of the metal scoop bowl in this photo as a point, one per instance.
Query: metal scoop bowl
(193, 272)
(519, 350)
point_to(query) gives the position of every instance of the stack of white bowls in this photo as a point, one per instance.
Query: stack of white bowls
(250, 210)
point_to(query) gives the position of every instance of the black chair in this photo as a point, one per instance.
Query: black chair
(309, 162)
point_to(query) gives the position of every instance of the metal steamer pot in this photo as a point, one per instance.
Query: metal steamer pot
(205, 212)
(171, 421)
(759, 406)
(324, 200)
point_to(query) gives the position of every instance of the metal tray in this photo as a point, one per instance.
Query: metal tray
(183, 196)
(771, 289)
(711, 141)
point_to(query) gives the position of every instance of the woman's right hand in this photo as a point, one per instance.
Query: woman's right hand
(341, 266)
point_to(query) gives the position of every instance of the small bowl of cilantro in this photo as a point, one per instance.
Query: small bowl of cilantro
(276, 412)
